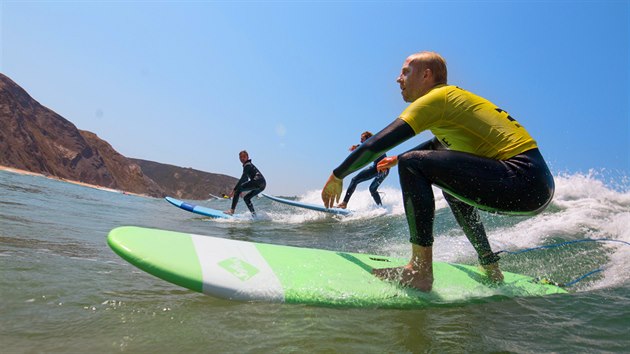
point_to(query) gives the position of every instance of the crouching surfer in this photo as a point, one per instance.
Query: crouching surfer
(481, 158)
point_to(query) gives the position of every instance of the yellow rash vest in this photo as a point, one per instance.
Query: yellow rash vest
(466, 122)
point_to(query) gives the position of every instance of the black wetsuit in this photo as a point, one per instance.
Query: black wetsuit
(366, 175)
(251, 180)
(521, 185)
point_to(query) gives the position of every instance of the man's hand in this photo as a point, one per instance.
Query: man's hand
(332, 191)
(387, 163)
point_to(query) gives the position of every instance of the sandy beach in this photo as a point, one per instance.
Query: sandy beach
(25, 172)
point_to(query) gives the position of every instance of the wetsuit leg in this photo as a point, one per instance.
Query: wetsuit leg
(467, 217)
(365, 175)
(237, 194)
(380, 177)
(248, 198)
(419, 204)
(255, 187)
(520, 185)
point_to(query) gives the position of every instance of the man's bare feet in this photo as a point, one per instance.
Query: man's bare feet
(493, 272)
(229, 212)
(406, 276)
(342, 205)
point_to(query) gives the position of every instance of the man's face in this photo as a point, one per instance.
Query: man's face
(411, 80)
(243, 157)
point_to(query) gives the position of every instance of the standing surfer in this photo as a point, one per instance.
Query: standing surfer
(251, 180)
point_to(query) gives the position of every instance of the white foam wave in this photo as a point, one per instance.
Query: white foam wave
(363, 206)
(583, 207)
(295, 216)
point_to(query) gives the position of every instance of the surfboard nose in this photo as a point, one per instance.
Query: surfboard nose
(165, 254)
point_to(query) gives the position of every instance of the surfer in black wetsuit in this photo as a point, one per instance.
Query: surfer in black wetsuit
(366, 175)
(251, 180)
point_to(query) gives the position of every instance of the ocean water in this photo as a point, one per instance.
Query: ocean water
(62, 289)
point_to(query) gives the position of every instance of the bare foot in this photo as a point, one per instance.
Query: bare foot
(406, 276)
(493, 272)
(229, 212)
(342, 205)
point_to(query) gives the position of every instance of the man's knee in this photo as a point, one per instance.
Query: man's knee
(411, 161)
(415, 155)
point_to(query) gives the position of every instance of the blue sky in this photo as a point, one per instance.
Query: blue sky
(295, 83)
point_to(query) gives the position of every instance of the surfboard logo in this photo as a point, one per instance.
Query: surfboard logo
(238, 268)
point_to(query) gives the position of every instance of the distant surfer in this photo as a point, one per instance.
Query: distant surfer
(480, 157)
(366, 175)
(251, 180)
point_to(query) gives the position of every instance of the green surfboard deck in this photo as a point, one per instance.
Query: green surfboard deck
(248, 271)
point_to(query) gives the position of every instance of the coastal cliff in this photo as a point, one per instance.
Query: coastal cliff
(36, 139)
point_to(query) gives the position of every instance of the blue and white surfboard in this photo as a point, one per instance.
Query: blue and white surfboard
(336, 211)
(197, 209)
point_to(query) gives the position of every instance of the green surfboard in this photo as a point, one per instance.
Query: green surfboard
(248, 271)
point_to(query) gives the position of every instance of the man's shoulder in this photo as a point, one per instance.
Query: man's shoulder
(436, 96)
(454, 90)
(441, 88)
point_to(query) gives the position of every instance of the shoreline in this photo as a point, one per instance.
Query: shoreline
(94, 186)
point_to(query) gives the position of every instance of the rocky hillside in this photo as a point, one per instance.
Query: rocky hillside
(36, 139)
(187, 183)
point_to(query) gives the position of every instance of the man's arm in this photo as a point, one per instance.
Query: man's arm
(391, 161)
(394, 134)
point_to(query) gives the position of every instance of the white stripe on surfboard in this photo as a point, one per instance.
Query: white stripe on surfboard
(235, 270)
